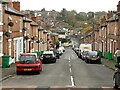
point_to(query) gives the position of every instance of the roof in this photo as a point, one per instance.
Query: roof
(48, 52)
(113, 18)
(13, 11)
(27, 19)
(103, 25)
(33, 23)
(40, 28)
(4, 1)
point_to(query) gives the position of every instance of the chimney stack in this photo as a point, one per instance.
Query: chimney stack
(34, 19)
(16, 5)
(10, 4)
(103, 20)
(109, 14)
(28, 15)
(118, 7)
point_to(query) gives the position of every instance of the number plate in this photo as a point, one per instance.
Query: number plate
(27, 69)
(93, 58)
(47, 56)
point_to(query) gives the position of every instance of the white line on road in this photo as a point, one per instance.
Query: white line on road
(72, 81)
(70, 70)
(69, 65)
(69, 58)
(69, 61)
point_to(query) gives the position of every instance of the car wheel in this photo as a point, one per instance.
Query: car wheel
(54, 61)
(38, 72)
(18, 73)
(58, 57)
(86, 61)
(99, 62)
(41, 69)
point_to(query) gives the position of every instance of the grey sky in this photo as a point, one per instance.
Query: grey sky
(78, 5)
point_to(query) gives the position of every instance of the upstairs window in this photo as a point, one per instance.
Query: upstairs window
(0, 12)
(1, 42)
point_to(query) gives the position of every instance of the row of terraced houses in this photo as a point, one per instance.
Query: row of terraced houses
(21, 33)
(105, 37)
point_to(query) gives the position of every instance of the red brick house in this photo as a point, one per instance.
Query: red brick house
(34, 35)
(12, 29)
(27, 32)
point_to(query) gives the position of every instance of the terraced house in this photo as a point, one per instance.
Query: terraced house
(106, 36)
(12, 29)
(20, 32)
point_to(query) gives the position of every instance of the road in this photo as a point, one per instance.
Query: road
(68, 71)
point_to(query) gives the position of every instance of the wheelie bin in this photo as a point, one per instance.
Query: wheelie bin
(109, 56)
(5, 61)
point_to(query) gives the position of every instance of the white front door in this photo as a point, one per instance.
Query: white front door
(18, 47)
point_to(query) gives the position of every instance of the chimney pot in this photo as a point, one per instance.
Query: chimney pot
(16, 5)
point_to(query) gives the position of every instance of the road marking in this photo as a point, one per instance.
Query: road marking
(69, 61)
(69, 65)
(69, 58)
(72, 81)
(70, 70)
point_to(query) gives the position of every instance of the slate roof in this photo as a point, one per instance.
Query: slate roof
(33, 23)
(27, 19)
(113, 18)
(13, 11)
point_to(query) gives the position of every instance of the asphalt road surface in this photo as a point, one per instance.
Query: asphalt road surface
(68, 71)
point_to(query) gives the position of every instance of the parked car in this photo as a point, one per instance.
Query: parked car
(84, 54)
(76, 50)
(56, 52)
(28, 62)
(61, 50)
(93, 56)
(48, 56)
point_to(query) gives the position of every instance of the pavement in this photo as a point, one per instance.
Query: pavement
(10, 71)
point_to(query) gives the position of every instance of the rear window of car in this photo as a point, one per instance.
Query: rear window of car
(27, 59)
(93, 53)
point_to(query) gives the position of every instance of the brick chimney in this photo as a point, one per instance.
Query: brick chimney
(118, 7)
(103, 20)
(109, 14)
(28, 15)
(16, 5)
(10, 4)
(34, 19)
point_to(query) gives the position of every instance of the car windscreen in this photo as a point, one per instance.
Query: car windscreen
(27, 59)
(47, 55)
(92, 53)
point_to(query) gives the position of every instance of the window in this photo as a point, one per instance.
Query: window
(0, 12)
(20, 23)
(1, 43)
(9, 46)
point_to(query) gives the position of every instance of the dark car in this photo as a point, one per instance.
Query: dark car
(48, 57)
(28, 62)
(93, 56)
(76, 50)
(56, 52)
(84, 54)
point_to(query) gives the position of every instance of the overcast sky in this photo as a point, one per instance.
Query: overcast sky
(78, 5)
